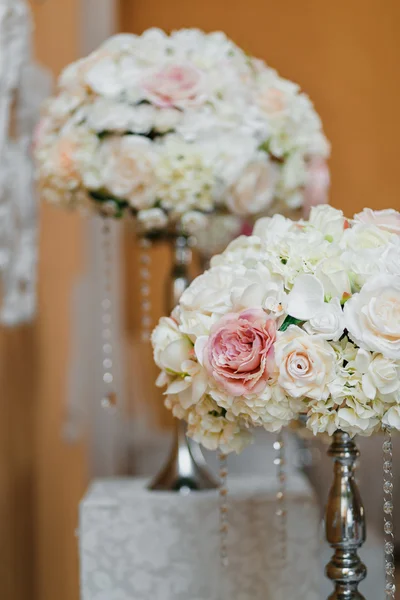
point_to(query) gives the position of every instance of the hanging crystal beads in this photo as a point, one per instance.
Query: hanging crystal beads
(145, 288)
(109, 399)
(281, 504)
(390, 587)
(223, 509)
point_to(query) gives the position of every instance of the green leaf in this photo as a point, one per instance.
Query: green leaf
(215, 413)
(290, 321)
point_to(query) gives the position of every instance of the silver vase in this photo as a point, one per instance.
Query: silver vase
(345, 521)
(186, 469)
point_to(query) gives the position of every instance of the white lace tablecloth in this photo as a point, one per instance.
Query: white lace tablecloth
(141, 545)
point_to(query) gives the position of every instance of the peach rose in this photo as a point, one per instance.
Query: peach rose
(173, 86)
(128, 169)
(387, 219)
(236, 352)
(272, 101)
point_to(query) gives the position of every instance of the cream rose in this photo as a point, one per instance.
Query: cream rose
(166, 332)
(128, 169)
(372, 316)
(255, 188)
(328, 323)
(306, 364)
(380, 375)
(364, 237)
(392, 417)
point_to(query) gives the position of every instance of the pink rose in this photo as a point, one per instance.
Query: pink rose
(236, 352)
(388, 219)
(317, 187)
(173, 85)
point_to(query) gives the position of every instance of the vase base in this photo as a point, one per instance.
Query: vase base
(186, 469)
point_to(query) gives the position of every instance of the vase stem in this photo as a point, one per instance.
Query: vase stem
(186, 469)
(345, 521)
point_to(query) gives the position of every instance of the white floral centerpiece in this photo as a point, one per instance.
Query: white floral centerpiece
(299, 318)
(174, 127)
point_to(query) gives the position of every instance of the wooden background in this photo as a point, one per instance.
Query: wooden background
(346, 55)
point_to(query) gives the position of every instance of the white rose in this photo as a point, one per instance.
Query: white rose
(387, 219)
(327, 323)
(334, 277)
(372, 316)
(255, 188)
(210, 292)
(260, 290)
(328, 220)
(364, 237)
(392, 417)
(247, 250)
(166, 332)
(306, 364)
(390, 260)
(152, 219)
(277, 225)
(380, 375)
(362, 264)
(228, 288)
(128, 169)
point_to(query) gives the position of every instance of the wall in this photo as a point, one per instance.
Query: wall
(60, 470)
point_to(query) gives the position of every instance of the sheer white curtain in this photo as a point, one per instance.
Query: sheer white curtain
(23, 86)
(85, 414)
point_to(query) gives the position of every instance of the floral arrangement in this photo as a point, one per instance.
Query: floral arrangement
(174, 127)
(299, 318)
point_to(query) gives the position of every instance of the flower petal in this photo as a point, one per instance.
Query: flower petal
(306, 298)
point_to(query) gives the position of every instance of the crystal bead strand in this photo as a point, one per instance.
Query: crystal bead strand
(223, 509)
(145, 289)
(281, 508)
(390, 587)
(109, 399)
